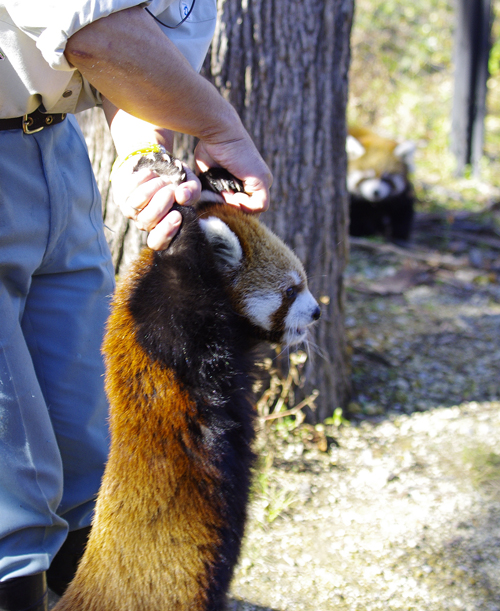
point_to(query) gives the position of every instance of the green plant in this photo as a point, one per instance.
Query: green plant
(270, 498)
(484, 468)
(337, 419)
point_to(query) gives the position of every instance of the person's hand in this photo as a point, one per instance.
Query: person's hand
(147, 198)
(241, 158)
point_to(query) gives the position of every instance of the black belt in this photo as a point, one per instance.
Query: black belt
(32, 123)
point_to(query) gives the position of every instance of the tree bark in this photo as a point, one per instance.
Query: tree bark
(124, 239)
(472, 49)
(284, 66)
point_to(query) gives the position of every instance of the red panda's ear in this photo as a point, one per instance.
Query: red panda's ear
(354, 148)
(405, 151)
(224, 242)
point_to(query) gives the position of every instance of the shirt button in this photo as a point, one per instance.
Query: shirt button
(67, 93)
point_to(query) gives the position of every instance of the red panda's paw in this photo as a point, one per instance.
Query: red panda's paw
(164, 164)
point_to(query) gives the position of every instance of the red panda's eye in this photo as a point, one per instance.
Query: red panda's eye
(291, 292)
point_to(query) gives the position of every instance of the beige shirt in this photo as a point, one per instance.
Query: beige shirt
(33, 36)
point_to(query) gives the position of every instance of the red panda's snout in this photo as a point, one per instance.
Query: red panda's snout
(302, 314)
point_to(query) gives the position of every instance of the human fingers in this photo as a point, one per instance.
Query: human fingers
(160, 237)
(241, 159)
(133, 188)
(142, 194)
(255, 199)
(124, 182)
(156, 209)
(254, 204)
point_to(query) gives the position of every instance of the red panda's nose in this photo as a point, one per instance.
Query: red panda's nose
(316, 313)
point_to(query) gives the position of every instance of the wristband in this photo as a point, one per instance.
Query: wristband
(150, 148)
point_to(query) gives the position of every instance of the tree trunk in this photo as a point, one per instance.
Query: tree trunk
(124, 239)
(472, 48)
(284, 66)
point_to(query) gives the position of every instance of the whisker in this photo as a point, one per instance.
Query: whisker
(315, 348)
(283, 350)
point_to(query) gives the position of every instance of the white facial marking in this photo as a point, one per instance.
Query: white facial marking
(260, 308)
(354, 148)
(406, 152)
(299, 317)
(399, 184)
(355, 177)
(295, 278)
(375, 189)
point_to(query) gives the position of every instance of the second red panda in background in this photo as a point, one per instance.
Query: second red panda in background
(380, 190)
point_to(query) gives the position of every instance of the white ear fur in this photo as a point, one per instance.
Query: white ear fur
(354, 148)
(226, 246)
(405, 151)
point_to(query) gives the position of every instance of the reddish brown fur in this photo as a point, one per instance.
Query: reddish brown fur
(379, 153)
(132, 517)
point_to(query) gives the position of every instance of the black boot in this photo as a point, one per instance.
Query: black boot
(24, 593)
(65, 562)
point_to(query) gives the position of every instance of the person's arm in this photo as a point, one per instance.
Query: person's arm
(134, 65)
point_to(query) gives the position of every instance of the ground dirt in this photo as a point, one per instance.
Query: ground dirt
(400, 508)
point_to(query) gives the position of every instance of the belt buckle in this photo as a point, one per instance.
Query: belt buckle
(27, 123)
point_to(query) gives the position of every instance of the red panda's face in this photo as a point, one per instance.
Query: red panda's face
(375, 188)
(378, 168)
(266, 281)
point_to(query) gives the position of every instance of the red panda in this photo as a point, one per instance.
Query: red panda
(179, 352)
(381, 194)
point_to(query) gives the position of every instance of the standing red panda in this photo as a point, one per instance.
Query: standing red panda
(381, 194)
(179, 353)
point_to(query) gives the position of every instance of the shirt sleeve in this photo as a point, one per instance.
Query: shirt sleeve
(193, 36)
(51, 22)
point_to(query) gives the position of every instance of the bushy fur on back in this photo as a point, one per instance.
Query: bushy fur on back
(381, 193)
(171, 511)
(179, 353)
